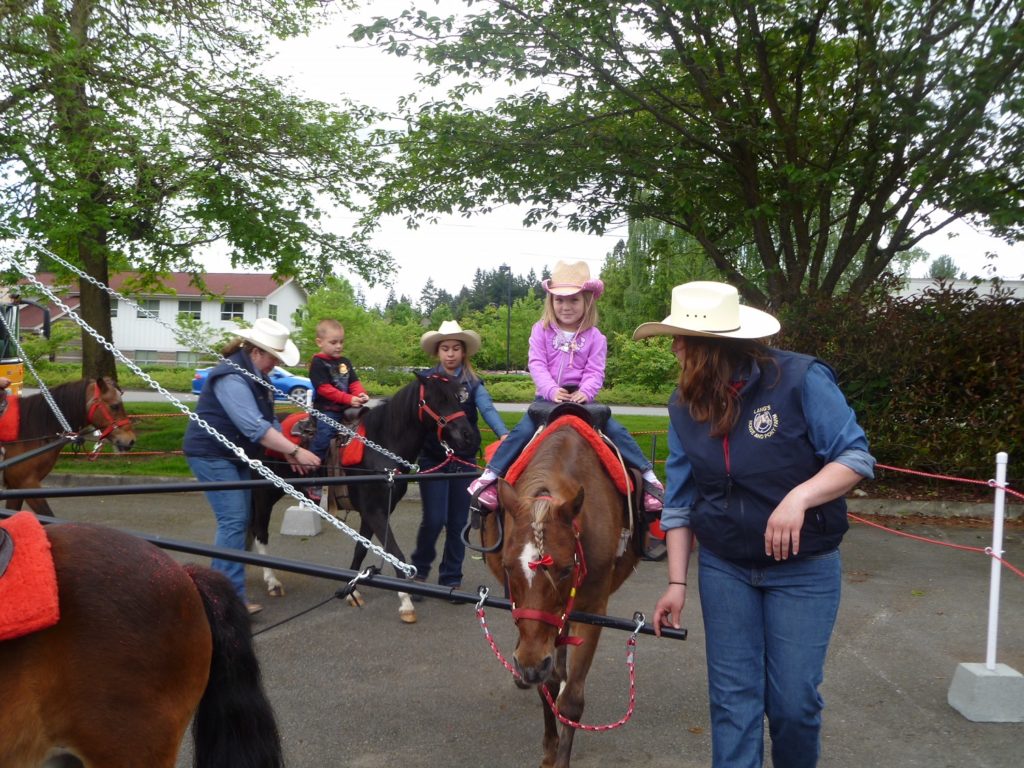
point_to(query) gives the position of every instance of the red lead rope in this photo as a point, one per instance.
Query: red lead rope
(630, 665)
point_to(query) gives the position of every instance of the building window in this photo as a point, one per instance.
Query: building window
(146, 357)
(186, 359)
(190, 309)
(232, 310)
(148, 305)
(113, 307)
(272, 311)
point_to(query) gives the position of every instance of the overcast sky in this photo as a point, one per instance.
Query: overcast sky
(328, 64)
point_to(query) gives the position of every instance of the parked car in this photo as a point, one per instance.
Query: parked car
(289, 383)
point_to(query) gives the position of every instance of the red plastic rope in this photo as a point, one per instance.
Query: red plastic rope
(969, 481)
(630, 664)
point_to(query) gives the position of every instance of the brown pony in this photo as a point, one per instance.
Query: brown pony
(560, 552)
(142, 644)
(86, 403)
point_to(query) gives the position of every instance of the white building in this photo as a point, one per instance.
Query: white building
(915, 286)
(228, 298)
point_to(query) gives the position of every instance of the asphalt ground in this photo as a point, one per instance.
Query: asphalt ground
(356, 687)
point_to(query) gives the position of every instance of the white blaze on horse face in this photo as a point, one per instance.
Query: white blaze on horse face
(529, 555)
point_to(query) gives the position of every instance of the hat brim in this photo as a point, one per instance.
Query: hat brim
(431, 340)
(288, 356)
(596, 287)
(754, 324)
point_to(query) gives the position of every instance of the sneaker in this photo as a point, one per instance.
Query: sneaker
(486, 492)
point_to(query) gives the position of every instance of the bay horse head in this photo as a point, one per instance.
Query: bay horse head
(440, 404)
(105, 411)
(544, 566)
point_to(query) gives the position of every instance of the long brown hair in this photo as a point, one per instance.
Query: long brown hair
(706, 373)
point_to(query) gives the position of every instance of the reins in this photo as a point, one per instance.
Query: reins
(630, 665)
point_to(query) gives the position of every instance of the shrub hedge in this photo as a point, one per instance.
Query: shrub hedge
(936, 379)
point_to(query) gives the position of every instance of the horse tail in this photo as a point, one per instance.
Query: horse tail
(234, 725)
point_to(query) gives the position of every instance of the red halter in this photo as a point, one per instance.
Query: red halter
(441, 421)
(96, 403)
(560, 621)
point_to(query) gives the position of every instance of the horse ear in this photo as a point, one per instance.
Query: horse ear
(577, 503)
(508, 498)
(106, 383)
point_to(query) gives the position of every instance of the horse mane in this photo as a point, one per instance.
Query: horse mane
(384, 424)
(38, 419)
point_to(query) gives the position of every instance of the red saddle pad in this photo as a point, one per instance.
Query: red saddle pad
(28, 589)
(608, 458)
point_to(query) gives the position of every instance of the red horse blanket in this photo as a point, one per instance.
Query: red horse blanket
(10, 420)
(28, 588)
(352, 453)
(610, 461)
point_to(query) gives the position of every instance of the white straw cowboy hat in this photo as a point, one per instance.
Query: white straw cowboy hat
(270, 336)
(568, 279)
(705, 308)
(450, 330)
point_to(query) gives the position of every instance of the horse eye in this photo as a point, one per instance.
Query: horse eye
(565, 573)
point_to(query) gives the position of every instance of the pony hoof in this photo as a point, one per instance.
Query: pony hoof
(276, 591)
(407, 617)
(355, 600)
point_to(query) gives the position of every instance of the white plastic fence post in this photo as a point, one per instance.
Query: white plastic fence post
(997, 549)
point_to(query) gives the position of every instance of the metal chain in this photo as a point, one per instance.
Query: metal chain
(254, 464)
(197, 343)
(42, 384)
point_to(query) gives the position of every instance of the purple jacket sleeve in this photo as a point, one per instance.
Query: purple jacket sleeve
(593, 370)
(540, 343)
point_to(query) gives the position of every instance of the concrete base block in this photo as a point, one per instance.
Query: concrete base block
(299, 521)
(985, 695)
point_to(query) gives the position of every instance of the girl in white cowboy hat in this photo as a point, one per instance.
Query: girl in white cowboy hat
(241, 409)
(567, 358)
(762, 450)
(446, 504)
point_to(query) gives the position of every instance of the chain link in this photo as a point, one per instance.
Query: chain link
(198, 344)
(254, 464)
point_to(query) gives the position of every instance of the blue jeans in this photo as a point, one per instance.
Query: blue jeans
(231, 508)
(445, 506)
(517, 439)
(324, 432)
(766, 635)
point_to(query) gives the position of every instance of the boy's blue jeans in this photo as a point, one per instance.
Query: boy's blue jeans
(521, 433)
(767, 632)
(231, 509)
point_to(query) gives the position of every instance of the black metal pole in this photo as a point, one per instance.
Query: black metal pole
(371, 579)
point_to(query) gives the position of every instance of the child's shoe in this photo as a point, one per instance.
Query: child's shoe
(485, 492)
(654, 496)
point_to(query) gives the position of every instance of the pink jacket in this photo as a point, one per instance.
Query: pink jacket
(554, 364)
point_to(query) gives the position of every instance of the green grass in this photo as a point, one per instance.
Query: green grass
(160, 427)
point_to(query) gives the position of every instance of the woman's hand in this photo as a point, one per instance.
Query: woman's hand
(303, 461)
(782, 534)
(669, 608)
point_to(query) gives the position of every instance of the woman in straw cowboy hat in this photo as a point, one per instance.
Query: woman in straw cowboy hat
(241, 409)
(567, 358)
(762, 450)
(446, 504)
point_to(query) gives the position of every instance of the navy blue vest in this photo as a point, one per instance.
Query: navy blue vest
(432, 450)
(769, 454)
(199, 442)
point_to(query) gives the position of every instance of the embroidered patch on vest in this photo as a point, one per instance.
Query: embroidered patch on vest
(764, 424)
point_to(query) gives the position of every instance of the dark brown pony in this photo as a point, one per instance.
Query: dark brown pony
(85, 403)
(142, 645)
(428, 404)
(563, 520)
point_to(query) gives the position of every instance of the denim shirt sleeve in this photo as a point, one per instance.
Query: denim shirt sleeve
(680, 489)
(237, 400)
(485, 405)
(832, 424)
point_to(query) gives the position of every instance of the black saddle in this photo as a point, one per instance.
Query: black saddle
(594, 414)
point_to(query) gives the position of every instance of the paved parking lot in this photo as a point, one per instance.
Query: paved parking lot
(355, 687)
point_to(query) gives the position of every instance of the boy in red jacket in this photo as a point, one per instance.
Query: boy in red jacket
(335, 383)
